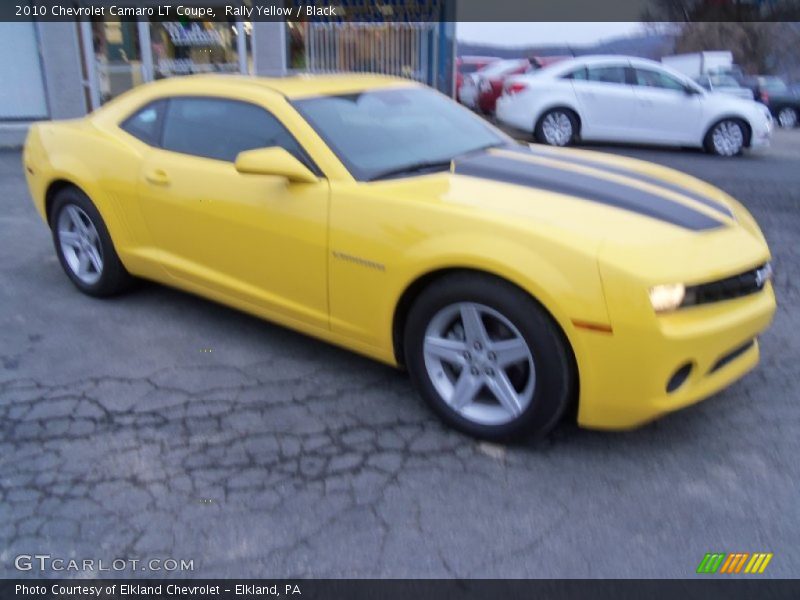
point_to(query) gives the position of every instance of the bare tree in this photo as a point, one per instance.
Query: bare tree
(749, 42)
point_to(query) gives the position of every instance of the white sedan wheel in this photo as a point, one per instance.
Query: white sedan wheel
(557, 128)
(727, 138)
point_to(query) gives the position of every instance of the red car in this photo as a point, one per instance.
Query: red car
(469, 64)
(491, 79)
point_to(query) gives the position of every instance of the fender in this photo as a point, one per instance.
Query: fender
(544, 279)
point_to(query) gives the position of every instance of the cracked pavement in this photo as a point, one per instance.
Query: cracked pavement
(158, 424)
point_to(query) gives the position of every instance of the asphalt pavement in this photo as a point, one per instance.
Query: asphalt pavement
(161, 425)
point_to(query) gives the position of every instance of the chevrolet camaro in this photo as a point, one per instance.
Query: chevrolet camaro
(516, 284)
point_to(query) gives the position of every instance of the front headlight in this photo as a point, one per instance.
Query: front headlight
(667, 297)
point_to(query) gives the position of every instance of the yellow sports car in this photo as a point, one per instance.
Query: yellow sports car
(516, 284)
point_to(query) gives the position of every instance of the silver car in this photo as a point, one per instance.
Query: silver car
(724, 84)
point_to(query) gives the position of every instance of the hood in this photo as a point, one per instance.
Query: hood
(618, 209)
(745, 106)
(592, 182)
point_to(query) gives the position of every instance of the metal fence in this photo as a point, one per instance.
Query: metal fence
(403, 49)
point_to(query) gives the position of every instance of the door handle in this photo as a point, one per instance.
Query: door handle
(157, 177)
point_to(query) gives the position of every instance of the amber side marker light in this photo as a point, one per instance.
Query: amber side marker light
(599, 327)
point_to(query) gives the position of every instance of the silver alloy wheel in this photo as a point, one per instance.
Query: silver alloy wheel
(479, 363)
(728, 138)
(557, 129)
(80, 244)
(787, 118)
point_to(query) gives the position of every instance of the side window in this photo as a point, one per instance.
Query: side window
(657, 79)
(220, 129)
(606, 74)
(577, 74)
(145, 124)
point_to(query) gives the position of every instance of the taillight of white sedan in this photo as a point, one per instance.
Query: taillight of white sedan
(627, 99)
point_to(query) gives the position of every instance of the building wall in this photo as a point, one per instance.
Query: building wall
(60, 57)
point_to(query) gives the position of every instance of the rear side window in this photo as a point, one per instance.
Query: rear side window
(606, 74)
(221, 129)
(145, 124)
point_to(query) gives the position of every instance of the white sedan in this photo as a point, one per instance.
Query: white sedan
(625, 99)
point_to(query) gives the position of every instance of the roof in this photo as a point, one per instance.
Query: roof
(563, 66)
(296, 86)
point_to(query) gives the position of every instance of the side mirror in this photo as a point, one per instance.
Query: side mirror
(690, 91)
(274, 161)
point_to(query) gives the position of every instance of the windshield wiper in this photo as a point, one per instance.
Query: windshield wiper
(417, 167)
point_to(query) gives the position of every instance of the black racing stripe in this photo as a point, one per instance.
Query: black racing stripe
(588, 162)
(585, 187)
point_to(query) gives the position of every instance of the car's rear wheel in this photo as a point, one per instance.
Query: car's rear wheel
(557, 127)
(726, 138)
(84, 246)
(487, 358)
(787, 118)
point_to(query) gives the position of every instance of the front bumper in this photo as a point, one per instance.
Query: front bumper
(625, 382)
(762, 133)
(761, 138)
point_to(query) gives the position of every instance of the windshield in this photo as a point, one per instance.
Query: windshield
(723, 81)
(775, 85)
(381, 131)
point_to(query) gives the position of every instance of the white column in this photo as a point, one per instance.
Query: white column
(143, 27)
(241, 47)
(269, 47)
(91, 81)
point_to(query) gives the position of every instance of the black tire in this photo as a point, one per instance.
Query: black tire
(113, 278)
(558, 113)
(555, 376)
(712, 148)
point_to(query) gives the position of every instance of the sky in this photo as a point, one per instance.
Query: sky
(518, 34)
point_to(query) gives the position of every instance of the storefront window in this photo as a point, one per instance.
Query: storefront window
(117, 57)
(124, 57)
(184, 48)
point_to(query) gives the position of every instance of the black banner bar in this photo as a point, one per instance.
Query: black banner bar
(404, 10)
(366, 589)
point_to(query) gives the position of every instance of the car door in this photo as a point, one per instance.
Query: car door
(254, 238)
(667, 110)
(606, 101)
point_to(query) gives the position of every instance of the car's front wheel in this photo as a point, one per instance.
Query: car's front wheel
(787, 118)
(726, 138)
(557, 127)
(487, 358)
(84, 246)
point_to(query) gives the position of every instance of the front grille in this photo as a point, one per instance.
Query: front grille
(743, 284)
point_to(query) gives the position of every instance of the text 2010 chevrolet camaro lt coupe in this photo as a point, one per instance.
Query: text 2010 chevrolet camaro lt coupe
(512, 283)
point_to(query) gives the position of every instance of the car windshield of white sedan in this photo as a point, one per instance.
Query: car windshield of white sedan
(395, 132)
